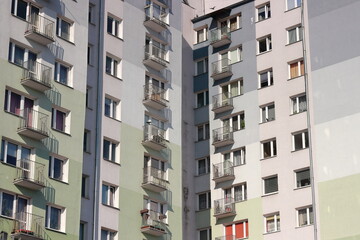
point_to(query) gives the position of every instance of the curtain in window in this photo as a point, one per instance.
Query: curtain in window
(238, 193)
(294, 70)
(15, 100)
(237, 158)
(234, 56)
(271, 112)
(271, 185)
(60, 120)
(233, 24)
(292, 35)
(302, 103)
(113, 152)
(270, 224)
(234, 88)
(302, 217)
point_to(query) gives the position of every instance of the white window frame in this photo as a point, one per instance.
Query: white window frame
(28, 9)
(273, 148)
(266, 109)
(116, 26)
(206, 132)
(230, 119)
(110, 234)
(207, 166)
(202, 30)
(60, 21)
(267, 10)
(67, 120)
(264, 179)
(298, 34)
(64, 168)
(202, 99)
(87, 141)
(229, 87)
(15, 203)
(205, 63)
(208, 233)
(238, 51)
(207, 200)
(8, 93)
(115, 66)
(298, 62)
(111, 146)
(69, 71)
(112, 198)
(231, 158)
(295, 100)
(162, 207)
(27, 52)
(114, 107)
(89, 97)
(268, 43)
(243, 187)
(308, 211)
(85, 186)
(297, 180)
(276, 219)
(270, 78)
(91, 16)
(304, 140)
(296, 4)
(62, 219)
(83, 230)
(227, 22)
(4, 150)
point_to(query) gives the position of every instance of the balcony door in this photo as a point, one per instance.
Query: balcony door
(22, 214)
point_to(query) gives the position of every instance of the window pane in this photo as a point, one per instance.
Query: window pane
(298, 142)
(303, 178)
(203, 235)
(21, 9)
(57, 169)
(200, 67)
(108, 65)
(233, 24)
(109, 25)
(271, 185)
(290, 4)
(294, 70)
(106, 150)
(19, 56)
(104, 235)
(234, 88)
(202, 201)
(271, 112)
(292, 35)
(302, 217)
(11, 154)
(7, 205)
(63, 74)
(201, 166)
(104, 198)
(234, 56)
(55, 218)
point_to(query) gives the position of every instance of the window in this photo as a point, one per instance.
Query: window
(270, 184)
(203, 166)
(266, 78)
(114, 26)
(234, 88)
(62, 73)
(203, 132)
(202, 66)
(111, 108)
(108, 234)
(109, 195)
(58, 168)
(11, 152)
(89, 97)
(263, 12)
(201, 35)
(239, 230)
(272, 223)
(264, 44)
(267, 113)
(110, 150)
(295, 34)
(156, 49)
(15, 103)
(82, 231)
(90, 50)
(112, 66)
(156, 207)
(55, 218)
(63, 29)
(85, 186)
(202, 99)
(204, 200)
(234, 55)
(302, 178)
(233, 23)
(305, 216)
(11, 204)
(154, 122)
(60, 120)
(205, 234)
(296, 69)
(23, 9)
(268, 148)
(86, 143)
(240, 192)
(91, 17)
(298, 104)
(237, 157)
(300, 140)
(235, 122)
(293, 4)
(21, 56)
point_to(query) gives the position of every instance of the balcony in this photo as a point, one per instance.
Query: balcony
(154, 97)
(224, 208)
(223, 172)
(36, 76)
(223, 136)
(221, 69)
(222, 102)
(154, 137)
(27, 226)
(29, 174)
(154, 179)
(220, 37)
(155, 18)
(40, 29)
(153, 223)
(228, 237)
(155, 57)
(33, 124)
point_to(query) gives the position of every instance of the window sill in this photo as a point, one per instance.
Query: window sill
(299, 188)
(59, 131)
(268, 157)
(200, 42)
(87, 152)
(236, 62)
(13, 114)
(298, 113)
(202, 210)
(288, 10)
(240, 201)
(298, 150)
(201, 107)
(203, 174)
(270, 194)
(289, 44)
(120, 38)
(66, 40)
(271, 232)
(6, 217)
(8, 164)
(202, 140)
(265, 87)
(54, 230)
(261, 123)
(113, 76)
(17, 17)
(109, 206)
(262, 53)
(89, 108)
(289, 79)
(258, 21)
(197, 75)
(113, 119)
(116, 163)
(308, 225)
(58, 180)
(239, 164)
(63, 84)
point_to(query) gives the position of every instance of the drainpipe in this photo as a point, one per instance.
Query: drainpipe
(98, 126)
(313, 192)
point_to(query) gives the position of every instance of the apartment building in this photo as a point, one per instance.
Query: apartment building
(43, 87)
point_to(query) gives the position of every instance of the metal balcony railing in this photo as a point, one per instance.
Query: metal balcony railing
(156, 14)
(33, 120)
(219, 34)
(221, 66)
(155, 53)
(222, 100)
(155, 176)
(154, 93)
(40, 25)
(27, 224)
(224, 206)
(30, 171)
(223, 169)
(154, 219)
(154, 134)
(223, 134)
(228, 237)
(38, 72)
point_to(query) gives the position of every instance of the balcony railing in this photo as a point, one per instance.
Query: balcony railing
(154, 96)
(221, 69)
(30, 174)
(223, 136)
(154, 179)
(220, 37)
(155, 57)
(222, 102)
(229, 237)
(153, 223)
(28, 226)
(40, 29)
(223, 171)
(224, 207)
(33, 124)
(155, 18)
(154, 137)
(36, 76)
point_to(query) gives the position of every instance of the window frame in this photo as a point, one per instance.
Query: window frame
(298, 184)
(245, 223)
(87, 141)
(309, 213)
(207, 166)
(85, 186)
(202, 30)
(276, 218)
(300, 69)
(267, 11)
(207, 231)
(227, 21)
(116, 28)
(298, 34)
(66, 120)
(27, 52)
(61, 219)
(58, 73)
(264, 179)
(19, 149)
(232, 157)
(205, 132)
(64, 171)
(91, 15)
(114, 107)
(111, 195)
(304, 140)
(14, 203)
(110, 234)
(265, 108)
(207, 198)
(115, 66)
(230, 87)
(273, 148)
(240, 121)
(202, 99)
(113, 146)
(295, 4)
(268, 44)
(295, 100)
(59, 30)
(29, 6)
(228, 52)
(270, 78)
(205, 64)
